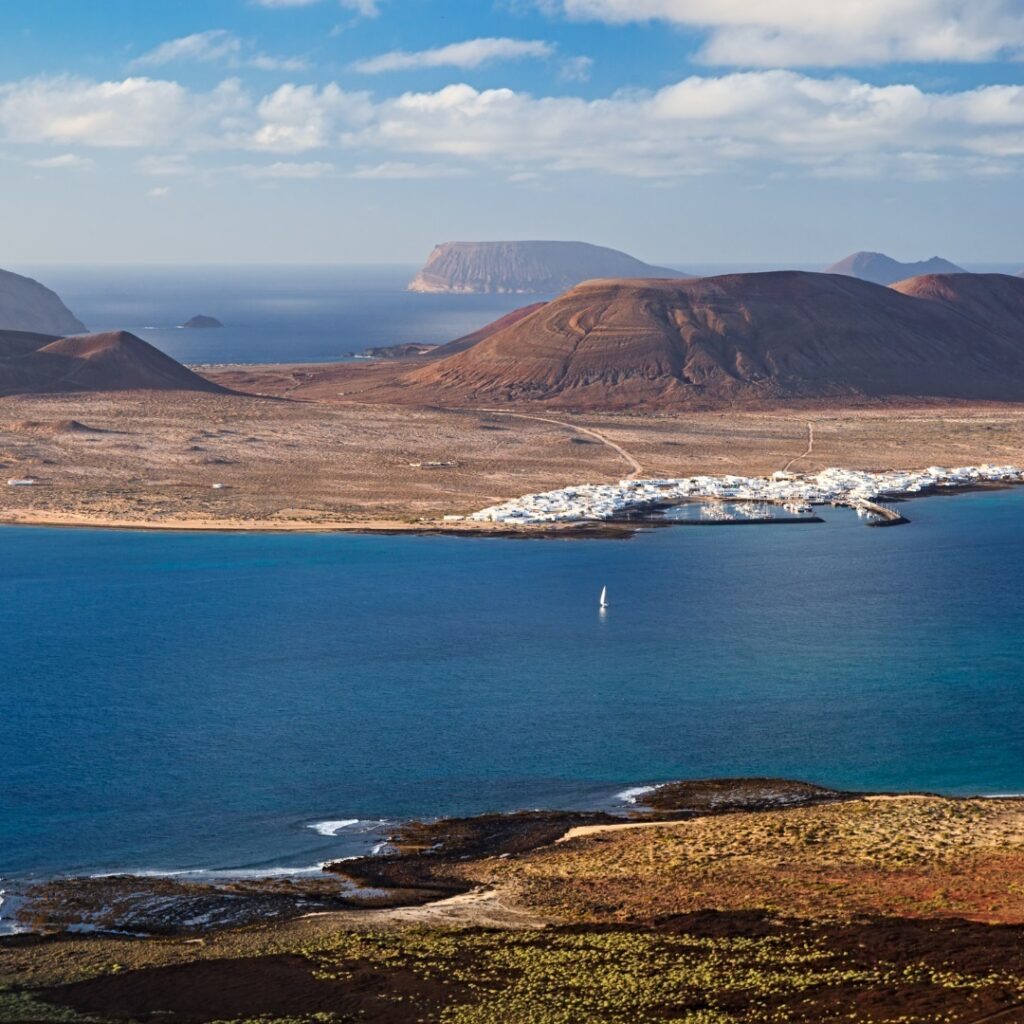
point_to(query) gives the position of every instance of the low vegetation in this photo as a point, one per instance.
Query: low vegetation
(909, 856)
(871, 911)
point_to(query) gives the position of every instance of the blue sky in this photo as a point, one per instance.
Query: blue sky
(351, 130)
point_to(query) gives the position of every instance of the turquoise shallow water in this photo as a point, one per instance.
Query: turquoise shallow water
(174, 700)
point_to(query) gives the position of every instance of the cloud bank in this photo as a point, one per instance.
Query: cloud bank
(770, 122)
(826, 33)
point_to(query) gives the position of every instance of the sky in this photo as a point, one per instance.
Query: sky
(346, 131)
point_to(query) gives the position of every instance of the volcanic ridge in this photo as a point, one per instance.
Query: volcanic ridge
(628, 343)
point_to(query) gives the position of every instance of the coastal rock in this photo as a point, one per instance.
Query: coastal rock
(27, 305)
(729, 796)
(413, 350)
(113, 361)
(407, 351)
(200, 322)
(462, 268)
(881, 269)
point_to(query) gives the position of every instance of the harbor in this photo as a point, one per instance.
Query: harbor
(737, 499)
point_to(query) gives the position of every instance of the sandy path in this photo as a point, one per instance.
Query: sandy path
(635, 467)
(803, 455)
(480, 908)
(592, 830)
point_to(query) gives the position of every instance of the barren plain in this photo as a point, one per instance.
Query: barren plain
(151, 459)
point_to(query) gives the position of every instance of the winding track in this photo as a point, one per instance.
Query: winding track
(637, 469)
(803, 455)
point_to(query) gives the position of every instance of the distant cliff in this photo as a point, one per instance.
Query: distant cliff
(878, 268)
(525, 267)
(26, 305)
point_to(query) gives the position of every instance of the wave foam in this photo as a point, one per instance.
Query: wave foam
(332, 828)
(630, 796)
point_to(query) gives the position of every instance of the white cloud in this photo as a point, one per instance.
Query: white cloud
(576, 69)
(165, 165)
(263, 62)
(134, 112)
(703, 124)
(826, 33)
(216, 45)
(470, 54)
(159, 192)
(394, 170)
(213, 45)
(772, 122)
(298, 118)
(290, 170)
(64, 161)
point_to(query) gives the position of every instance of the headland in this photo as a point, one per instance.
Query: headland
(757, 900)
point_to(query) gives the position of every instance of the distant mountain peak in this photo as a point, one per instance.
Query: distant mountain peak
(537, 267)
(878, 268)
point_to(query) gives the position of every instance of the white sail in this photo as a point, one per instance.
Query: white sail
(604, 597)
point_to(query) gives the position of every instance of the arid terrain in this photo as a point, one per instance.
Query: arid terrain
(769, 902)
(152, 458)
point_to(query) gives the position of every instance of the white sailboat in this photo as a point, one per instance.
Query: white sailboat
(604, 597)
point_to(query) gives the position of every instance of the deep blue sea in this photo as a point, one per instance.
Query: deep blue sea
(175, 701)
(270, 314)
(289, 312)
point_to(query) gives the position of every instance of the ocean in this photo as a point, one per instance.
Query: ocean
(291, 313)
(209, 701)
(270, 313)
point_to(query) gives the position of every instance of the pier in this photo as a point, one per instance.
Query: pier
(880, 515)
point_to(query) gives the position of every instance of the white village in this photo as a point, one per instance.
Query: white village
(797, 493)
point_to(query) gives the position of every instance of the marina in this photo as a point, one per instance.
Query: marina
(738, 499)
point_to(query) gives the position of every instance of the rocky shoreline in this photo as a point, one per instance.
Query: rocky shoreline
(728, 901)
(418, 863)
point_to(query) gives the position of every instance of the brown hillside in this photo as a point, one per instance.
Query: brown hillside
(993, 301)
(115, 361)
(469, 340)
(617, 343)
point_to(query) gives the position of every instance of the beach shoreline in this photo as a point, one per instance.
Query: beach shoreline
(70, 520)
(605, 529)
